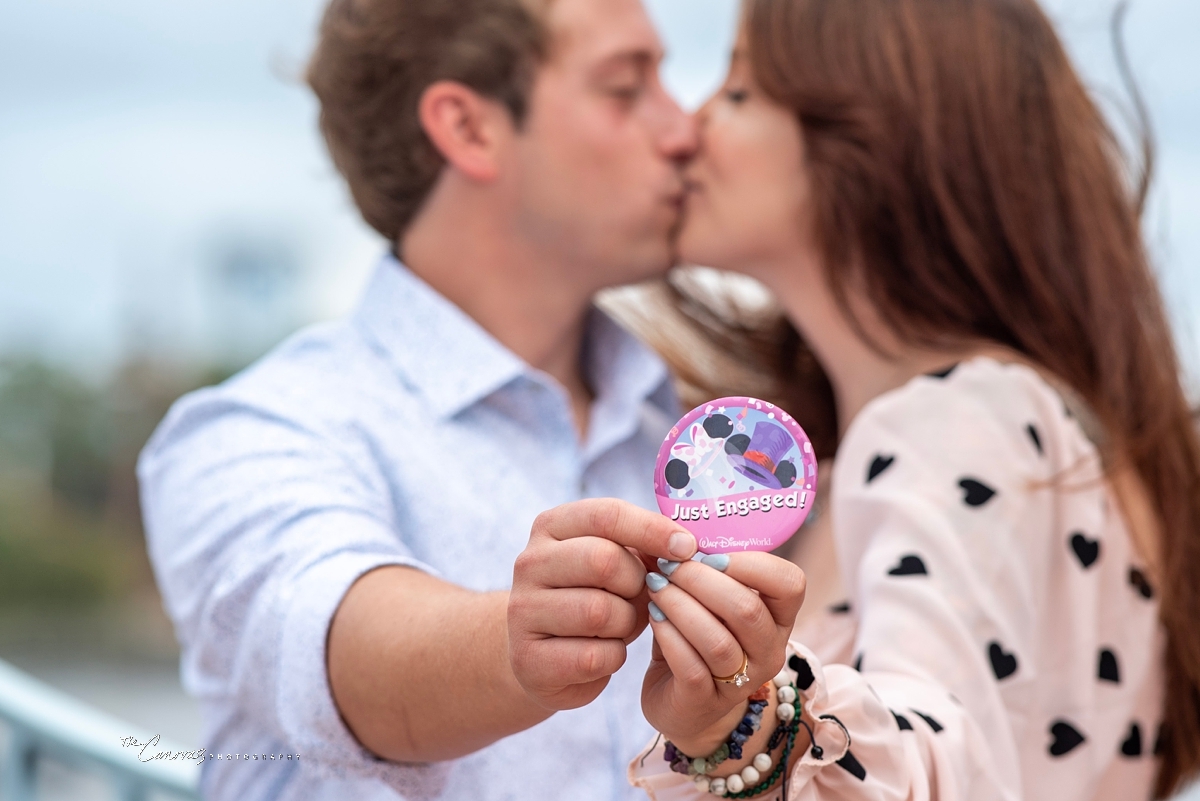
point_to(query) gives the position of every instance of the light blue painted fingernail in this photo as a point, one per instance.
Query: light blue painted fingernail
(656, 582)
(667, 566)
(656, 614)
(717, 561)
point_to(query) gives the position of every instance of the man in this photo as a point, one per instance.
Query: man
(336, 530)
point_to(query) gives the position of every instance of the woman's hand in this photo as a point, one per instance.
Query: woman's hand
(712, 612)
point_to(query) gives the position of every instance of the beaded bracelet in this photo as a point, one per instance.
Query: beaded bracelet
(748, 782)
(782, 731)
(731, 748)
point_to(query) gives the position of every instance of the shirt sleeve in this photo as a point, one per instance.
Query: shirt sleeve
(945, 521)
(257, 526)
(853, 727)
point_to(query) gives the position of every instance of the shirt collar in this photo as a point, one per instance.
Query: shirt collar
(623, 373)
(453, 362)
(439, 350)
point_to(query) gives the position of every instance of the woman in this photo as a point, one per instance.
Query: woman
(971, 323)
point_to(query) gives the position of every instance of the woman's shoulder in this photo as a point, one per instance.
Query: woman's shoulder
(980, 408)
(982, 383)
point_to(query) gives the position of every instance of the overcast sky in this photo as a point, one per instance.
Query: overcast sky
(138, 138)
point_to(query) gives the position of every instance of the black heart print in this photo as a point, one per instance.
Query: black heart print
(975, 492)
(1086, 550)
(1004, 664)
(840, 609)
(910, 565)
(1032, 431)
(1140, 583)
(852, 766)
(878, 465)
(1132, 746)
(933, 724)
(804, 674)
(1108, 670)
(901, 721)
(1066, 738)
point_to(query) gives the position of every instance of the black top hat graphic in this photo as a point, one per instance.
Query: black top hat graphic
(760, 458)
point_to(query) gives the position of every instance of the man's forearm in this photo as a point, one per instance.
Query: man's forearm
(419, 667)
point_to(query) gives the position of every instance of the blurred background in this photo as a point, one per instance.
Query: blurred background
(168, 213)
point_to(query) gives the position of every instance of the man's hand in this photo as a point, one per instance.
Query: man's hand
(579, 596)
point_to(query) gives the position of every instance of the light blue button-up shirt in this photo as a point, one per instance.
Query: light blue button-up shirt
(404, 434)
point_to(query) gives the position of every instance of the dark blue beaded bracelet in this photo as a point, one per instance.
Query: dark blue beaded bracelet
(732, 747)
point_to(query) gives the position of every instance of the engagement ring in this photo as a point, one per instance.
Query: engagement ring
(741, 676)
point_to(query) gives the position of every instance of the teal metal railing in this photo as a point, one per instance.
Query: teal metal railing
(45, 723)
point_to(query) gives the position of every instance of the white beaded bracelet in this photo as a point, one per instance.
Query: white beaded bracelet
(752, 774)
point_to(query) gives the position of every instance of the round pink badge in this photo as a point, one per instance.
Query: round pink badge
(739, 473)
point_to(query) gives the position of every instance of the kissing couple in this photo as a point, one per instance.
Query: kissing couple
(419, 545)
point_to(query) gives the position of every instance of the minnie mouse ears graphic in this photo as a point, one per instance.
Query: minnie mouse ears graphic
(718, 426)
(758, 458)
(728, 464)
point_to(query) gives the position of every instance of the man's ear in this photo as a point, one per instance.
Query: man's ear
(466, 128)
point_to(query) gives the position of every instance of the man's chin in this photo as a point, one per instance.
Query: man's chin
(648, 258)
(656, 268)
(656, 257)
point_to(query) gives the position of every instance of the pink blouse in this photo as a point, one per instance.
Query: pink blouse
(1001, 640)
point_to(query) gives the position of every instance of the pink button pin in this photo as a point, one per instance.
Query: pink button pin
(739, 473)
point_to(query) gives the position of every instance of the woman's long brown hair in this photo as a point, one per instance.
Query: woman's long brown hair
(965, 180)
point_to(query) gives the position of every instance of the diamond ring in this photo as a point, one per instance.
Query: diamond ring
(740, 677)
